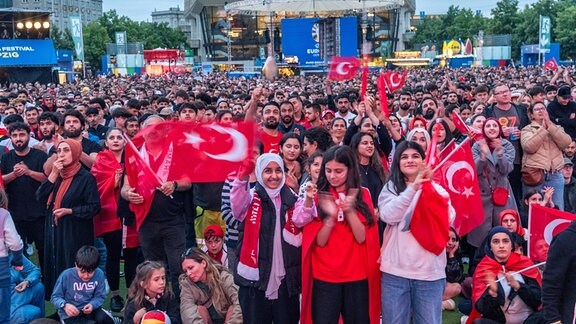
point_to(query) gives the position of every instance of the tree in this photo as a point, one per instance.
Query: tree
(95, 40)
(457, 23)
(565, 30)
(62, 39)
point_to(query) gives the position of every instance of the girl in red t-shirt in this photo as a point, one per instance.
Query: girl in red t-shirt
(340, 245)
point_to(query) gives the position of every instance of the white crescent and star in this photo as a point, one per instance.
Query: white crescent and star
(341, 66)
(450, 174)
(237, 152)
(549, 229)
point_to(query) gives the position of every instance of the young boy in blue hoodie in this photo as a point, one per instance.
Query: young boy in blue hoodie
(80, 291)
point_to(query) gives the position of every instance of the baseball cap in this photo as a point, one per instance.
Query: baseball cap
(326, 112)
(564, 92)
(567, 161)
(213, 230)
(166, 112)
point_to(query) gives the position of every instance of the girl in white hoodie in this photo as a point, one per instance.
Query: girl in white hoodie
(413, 278)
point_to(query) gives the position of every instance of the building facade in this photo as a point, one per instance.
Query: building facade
(224, 37)
(176, 19)
(88, 10)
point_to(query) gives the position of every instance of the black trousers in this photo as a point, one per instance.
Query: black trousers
(165, 243)
(132, 258)
(113, 242)
(257, 309)
(33, 231)
(349, 299)
(515, 179)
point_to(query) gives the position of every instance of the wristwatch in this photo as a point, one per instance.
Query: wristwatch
(175, 185)
(62, 305)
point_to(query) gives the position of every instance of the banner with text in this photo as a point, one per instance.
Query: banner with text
(76, 31)
(545, 35)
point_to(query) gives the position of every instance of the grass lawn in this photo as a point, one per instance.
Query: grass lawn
(452, 317)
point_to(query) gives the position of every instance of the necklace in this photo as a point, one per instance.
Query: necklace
(364, 168)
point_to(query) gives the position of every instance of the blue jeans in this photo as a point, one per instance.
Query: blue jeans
(101, 246)
(403, 298)
(4, 290)
(554, 180)
(27, 305)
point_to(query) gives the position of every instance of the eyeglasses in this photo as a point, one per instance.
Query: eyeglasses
(501, 92)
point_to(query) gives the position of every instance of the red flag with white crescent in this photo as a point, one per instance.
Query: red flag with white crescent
(343, 68)
(457, 174)
(204, 152)
(544, 224)
(394, 80)
(551, 64)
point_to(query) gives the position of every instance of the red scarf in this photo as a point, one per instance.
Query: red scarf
(216, 257)
(372, 244)
(248, 263)
(104, 170)
(490, 267)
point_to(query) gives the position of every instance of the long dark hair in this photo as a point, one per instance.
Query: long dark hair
(375, 160)
(345, 155)
(449, 135)
(396, 176)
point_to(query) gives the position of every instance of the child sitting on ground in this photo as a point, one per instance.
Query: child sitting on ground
(80, 291)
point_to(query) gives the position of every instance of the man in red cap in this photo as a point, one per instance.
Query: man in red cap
(214, 244)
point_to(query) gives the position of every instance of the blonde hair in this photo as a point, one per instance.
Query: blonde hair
(213, 280)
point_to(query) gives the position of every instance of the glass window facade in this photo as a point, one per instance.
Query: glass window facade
(245, 37)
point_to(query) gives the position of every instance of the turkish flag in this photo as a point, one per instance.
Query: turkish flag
(204, 152)
(395, 81)
(382, 96)
(459, 123)
(430, 224)
(544, 224)
(141, 177)
(343, 68)
(551, 64)
(457, 174)
(447, 150)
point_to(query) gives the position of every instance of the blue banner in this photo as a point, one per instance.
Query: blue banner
(301, 38)
(20, 52)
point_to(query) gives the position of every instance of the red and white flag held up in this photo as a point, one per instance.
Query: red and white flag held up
(544, 224)
(394, 80)
(551, 64)
(343, 68)
(457, 174)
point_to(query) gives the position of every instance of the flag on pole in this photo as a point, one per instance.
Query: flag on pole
(343, 68)
(544, 224)
(457, 174)
(551, 64)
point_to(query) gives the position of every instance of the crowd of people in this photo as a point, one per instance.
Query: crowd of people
(320, 224)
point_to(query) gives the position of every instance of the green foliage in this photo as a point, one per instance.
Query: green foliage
(95, 40)
(153, 35)
(62, 39)
(565, 31)
(506, 18)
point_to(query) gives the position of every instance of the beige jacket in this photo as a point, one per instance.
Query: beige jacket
(192, 296)
(543, 147)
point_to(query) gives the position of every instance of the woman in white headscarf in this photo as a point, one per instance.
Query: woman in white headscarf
(269, 249)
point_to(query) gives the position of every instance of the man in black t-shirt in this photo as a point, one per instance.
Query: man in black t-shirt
(22, 175)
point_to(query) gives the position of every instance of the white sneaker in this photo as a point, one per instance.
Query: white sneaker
(463, 319)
